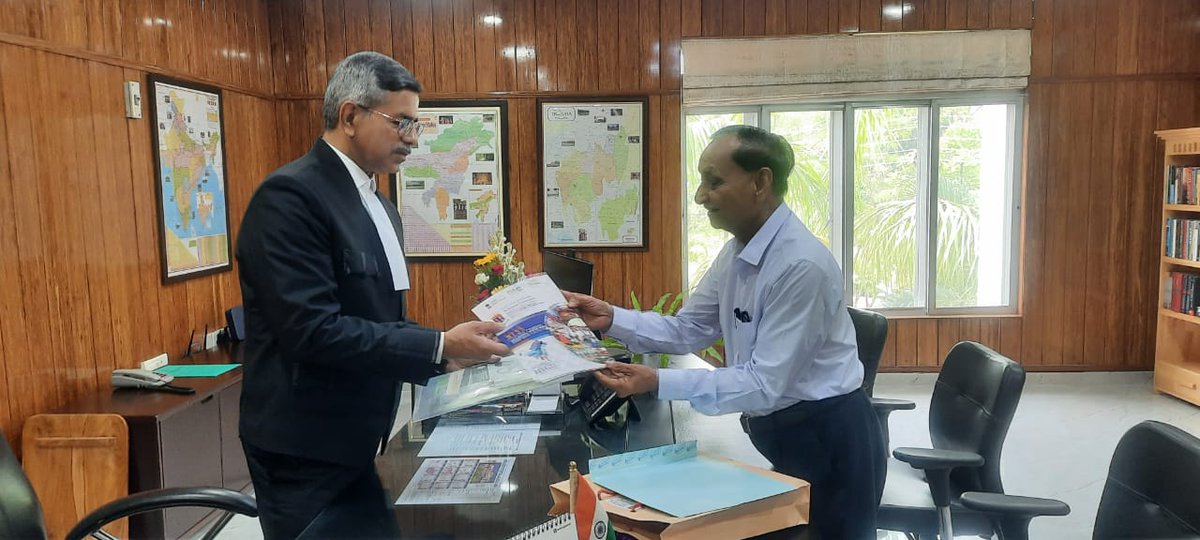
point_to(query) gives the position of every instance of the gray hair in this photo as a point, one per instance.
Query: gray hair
(364, 78)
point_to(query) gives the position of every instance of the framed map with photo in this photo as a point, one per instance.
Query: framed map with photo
(593, 155)
(189, 166)
(452, 191)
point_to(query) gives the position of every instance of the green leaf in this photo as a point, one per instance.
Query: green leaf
(634, 299)
(662, 301)
(675, 304)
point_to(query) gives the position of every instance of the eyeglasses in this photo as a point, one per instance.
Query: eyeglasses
(406, 126)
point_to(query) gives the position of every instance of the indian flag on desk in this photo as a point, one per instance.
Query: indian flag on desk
(591, 521)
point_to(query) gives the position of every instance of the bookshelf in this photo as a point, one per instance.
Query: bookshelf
(1177, 344)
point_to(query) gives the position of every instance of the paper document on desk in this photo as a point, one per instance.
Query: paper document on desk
(458, 481)
(676, 480)
(475, 439)
(549, 341)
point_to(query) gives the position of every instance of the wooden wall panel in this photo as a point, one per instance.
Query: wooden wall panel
(1066, 322)
(78, 210)
(1105, 75)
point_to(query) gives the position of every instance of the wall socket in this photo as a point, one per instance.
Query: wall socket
(210, 341)
(155, 363)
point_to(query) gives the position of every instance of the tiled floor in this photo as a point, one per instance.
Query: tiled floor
(1059, 445)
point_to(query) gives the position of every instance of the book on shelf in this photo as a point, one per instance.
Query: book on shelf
(1182, 185)
(1181, 291)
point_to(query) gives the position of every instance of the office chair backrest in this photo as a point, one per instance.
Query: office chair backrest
(1153, 487)
(973, 403)
(20, 511)
(870, 329)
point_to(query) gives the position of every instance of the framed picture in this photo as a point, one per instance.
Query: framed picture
(593, 155)
(189, 168)
(452, 191)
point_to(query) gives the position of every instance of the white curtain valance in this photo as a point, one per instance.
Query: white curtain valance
(746, 71)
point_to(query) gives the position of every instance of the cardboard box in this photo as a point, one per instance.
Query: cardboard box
(743, 521)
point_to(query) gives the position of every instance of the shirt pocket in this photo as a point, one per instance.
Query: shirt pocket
(744, 336)
(359, 264)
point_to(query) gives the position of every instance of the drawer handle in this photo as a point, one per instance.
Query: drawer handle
(207, 399)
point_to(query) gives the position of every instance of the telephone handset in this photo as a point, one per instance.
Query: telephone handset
(141, 378)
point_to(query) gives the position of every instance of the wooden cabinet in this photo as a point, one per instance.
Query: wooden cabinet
(1177, 345)
(178, 441)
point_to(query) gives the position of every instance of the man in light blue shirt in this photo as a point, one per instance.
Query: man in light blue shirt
(775, 294)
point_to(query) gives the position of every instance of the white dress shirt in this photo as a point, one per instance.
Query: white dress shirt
(365, 184)
(794, 340)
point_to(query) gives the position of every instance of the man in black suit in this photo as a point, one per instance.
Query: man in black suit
(328, 342)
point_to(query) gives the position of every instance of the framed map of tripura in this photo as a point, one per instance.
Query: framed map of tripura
(593, 155)
(452, 191)
(189, 166)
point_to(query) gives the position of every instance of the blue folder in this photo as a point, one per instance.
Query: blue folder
(676, 480)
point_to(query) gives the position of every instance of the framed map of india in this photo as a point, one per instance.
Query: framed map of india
(593, 181)
(452, 191)
(189, 164)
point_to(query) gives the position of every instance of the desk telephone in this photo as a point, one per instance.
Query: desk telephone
(140, 378)
(599, 401)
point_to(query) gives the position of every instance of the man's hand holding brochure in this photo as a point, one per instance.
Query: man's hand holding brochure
(548, 339)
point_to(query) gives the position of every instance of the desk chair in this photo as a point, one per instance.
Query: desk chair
(870, 330)
(21, 513)
(1152, 491)
(973, 403)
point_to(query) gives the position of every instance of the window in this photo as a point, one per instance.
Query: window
(917, 199)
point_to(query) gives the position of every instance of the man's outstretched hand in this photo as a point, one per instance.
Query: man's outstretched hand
(628, 379)
(597, 313)
(472, 343)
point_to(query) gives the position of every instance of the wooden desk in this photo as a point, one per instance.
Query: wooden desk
(179, 440)
(526, 504)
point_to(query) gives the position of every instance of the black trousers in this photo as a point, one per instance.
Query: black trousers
(304, 498)
(836, 444)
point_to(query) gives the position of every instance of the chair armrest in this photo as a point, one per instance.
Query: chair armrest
(208, 497)
(932, 458)
(937, 465)
(883, 410)
(889, 405)
(1013, 505)
(1011, 513)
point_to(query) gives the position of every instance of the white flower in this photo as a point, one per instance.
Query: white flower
(480, 278)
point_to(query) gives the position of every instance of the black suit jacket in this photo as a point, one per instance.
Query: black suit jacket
(327, 338)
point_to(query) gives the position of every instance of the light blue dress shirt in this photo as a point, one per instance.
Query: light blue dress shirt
(798, 344)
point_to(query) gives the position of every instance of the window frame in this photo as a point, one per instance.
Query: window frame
(842, 138)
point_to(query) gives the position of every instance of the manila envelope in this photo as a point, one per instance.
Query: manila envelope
(743, 521)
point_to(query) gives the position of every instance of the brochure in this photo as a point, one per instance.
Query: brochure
(548, 339)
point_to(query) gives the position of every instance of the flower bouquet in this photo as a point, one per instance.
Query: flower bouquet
(498, 269)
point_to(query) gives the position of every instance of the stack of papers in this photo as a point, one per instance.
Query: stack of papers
(678, 481)
(549, 341)
(475, 439)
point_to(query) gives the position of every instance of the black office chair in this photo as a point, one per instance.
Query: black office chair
(870, 331)
(1152, 491)
(21, 513)
(973, 403)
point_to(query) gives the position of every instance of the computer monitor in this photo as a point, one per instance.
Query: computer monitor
(569, 273)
